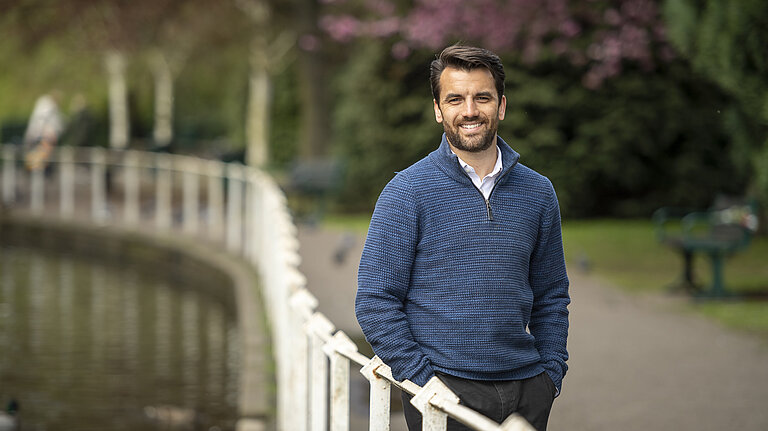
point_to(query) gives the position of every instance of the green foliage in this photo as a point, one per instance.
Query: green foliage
(726, 41)
(210, 92)
(384, 120)
(28, 72)
(284, 133)
(210, 100)
(639, 142)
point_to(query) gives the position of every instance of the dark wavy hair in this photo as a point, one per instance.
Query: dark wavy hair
(466, 58)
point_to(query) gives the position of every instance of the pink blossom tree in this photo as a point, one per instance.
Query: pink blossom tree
(601, 36)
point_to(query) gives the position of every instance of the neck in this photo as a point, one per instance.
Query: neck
(481, 161)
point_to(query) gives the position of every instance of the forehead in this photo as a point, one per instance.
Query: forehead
(460, 81)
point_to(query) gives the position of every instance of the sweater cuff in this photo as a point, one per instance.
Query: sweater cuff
(422, 377)
(555, 375)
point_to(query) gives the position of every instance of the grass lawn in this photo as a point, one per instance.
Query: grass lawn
(626, 254)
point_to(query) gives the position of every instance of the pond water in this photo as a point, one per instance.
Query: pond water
(88, 346)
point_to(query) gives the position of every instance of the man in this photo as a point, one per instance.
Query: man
(463, 275)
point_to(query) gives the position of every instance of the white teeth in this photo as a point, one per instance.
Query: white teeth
(470, 126)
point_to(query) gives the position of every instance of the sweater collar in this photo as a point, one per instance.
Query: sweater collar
(448, 162)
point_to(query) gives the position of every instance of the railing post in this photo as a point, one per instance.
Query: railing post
(255, 222)
(67, 178)
(131, 187)
(191, 196)
(339, 379)
(37, 198)
(302, 303)
(98, 185)
(234, 208)
(265, 211)
(163, 190)
(9, 175)
(432, 418)
(282, 318)
(317, 327)
(215, 200)
(249, 217)
(380, 396)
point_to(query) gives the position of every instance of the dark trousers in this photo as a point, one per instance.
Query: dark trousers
(531, 398)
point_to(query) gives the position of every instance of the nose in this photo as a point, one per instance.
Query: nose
(470, 108)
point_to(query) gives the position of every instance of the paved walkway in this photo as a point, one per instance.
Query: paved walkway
(637, 363)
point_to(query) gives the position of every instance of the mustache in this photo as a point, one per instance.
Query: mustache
(472, 119)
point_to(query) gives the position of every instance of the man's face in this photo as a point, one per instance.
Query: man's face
(469, 108)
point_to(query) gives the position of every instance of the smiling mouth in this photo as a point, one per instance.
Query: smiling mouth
(470, 126)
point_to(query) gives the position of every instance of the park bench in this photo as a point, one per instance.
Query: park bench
(726, 228)
(310, 184)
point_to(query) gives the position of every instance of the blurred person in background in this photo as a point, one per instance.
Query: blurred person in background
(462, 275)
(43, 130)
(80, 128)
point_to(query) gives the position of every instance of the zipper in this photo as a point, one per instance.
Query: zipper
(488, 209)
(488, 201)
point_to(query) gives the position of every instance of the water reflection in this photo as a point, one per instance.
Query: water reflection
(88, 347)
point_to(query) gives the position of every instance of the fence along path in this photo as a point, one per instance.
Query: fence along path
(241, 210)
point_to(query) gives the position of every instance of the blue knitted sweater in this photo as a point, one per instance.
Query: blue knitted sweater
(451, 282)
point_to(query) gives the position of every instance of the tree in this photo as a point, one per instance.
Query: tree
(106, 25)
(109, 28)
(164, 32)
(597, 100)
(270, 45)
(726, 42)
(312, 71)
(601, 36)
(174, 29)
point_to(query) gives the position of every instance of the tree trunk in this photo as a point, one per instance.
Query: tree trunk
(312, 71)
(118, 100)
(259, 105)
(163, 76)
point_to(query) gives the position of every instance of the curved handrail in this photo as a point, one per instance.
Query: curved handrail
(241, 210)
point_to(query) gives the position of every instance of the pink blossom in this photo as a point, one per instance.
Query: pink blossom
(569, 28)
(400, 50)
(598, 35)
(384, 27)
(342, 28)
(309, 42)
(612, 17)
(381, 7)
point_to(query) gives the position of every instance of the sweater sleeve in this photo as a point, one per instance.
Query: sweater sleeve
(383, 282)
(549, 281)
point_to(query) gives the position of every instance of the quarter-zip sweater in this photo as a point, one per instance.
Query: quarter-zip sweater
(452, 282)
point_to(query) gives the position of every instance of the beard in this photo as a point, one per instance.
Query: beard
(473, 144)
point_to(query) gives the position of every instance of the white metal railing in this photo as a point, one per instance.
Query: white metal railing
(243, 211)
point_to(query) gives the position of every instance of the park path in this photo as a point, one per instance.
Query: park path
(637, 362)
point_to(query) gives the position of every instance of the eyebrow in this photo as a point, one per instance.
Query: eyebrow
(482, 93)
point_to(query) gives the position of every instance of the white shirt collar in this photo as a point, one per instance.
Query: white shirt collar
(486, 184)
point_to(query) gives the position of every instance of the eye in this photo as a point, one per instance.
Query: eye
(483, 99)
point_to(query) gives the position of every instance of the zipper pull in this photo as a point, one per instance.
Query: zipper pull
(488, 208)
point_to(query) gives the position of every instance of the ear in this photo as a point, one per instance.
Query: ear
(438, 113)
(503, 107)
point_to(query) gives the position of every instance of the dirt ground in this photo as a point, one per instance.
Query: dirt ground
(637, 362)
